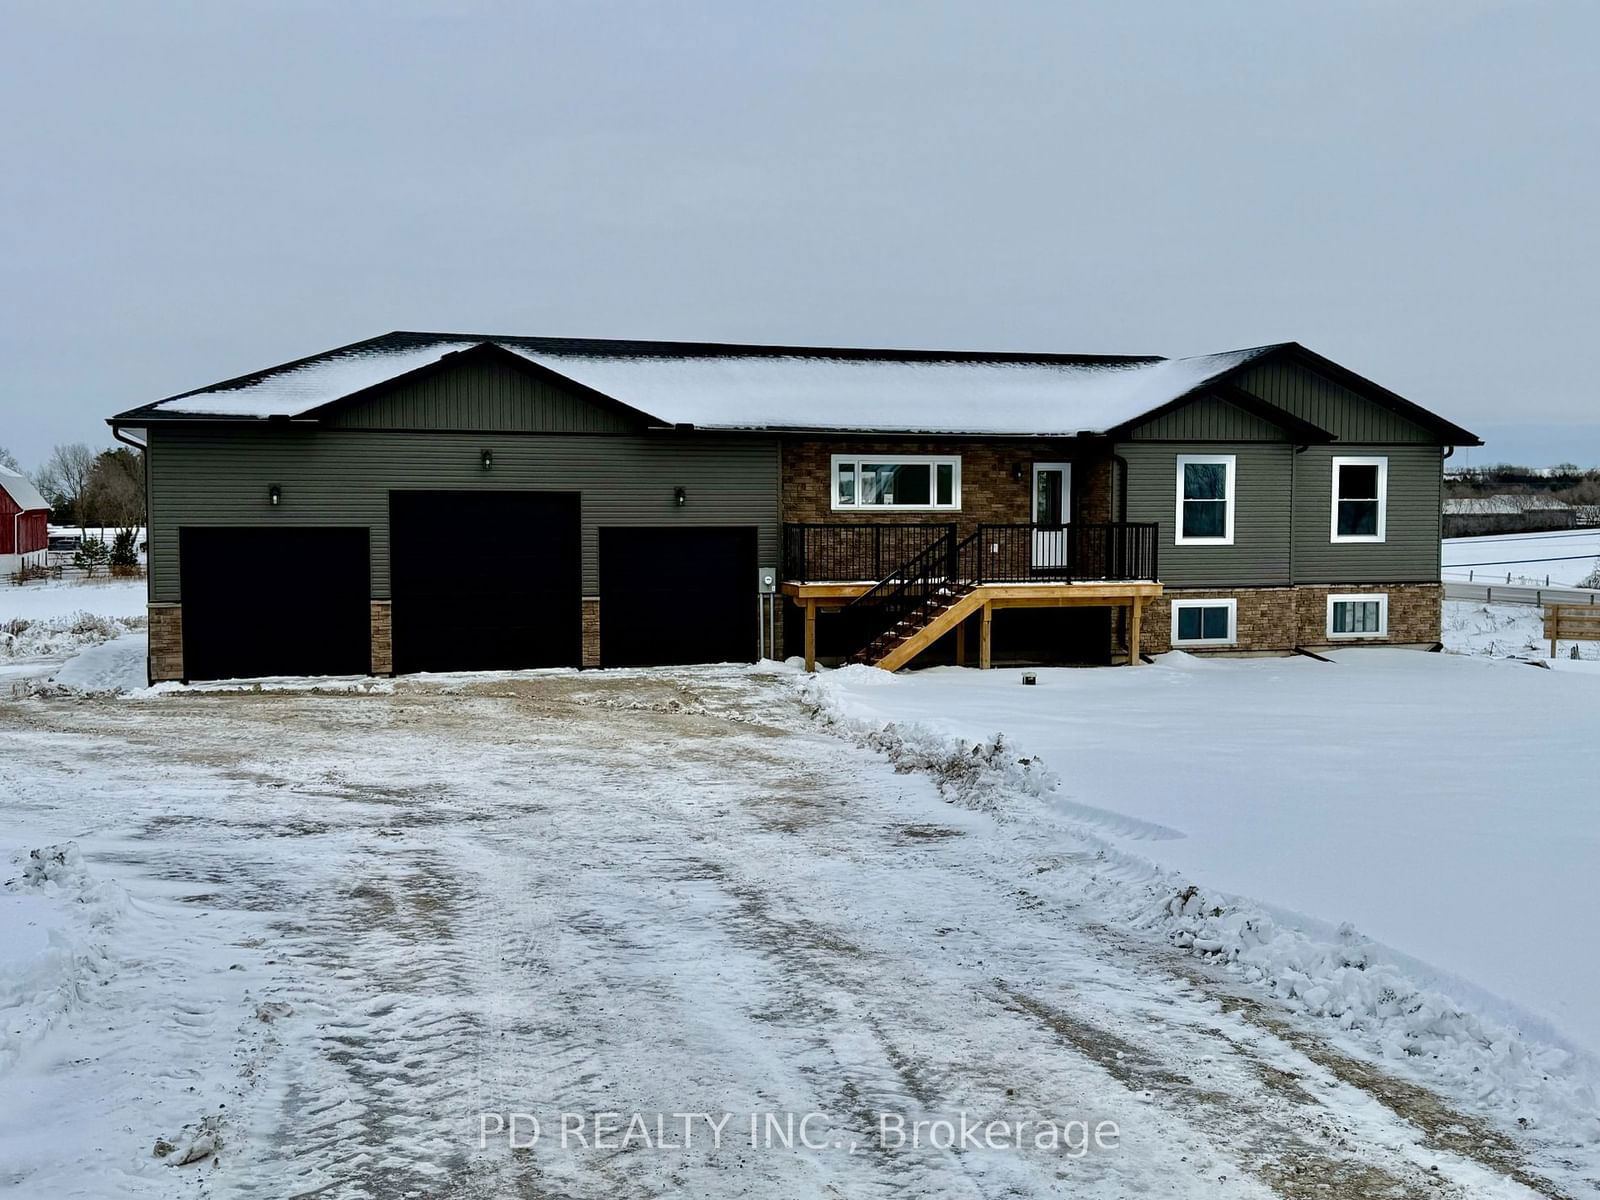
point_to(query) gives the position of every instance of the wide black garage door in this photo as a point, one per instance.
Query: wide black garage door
(275, 601)
(485, 581)
(678, 595)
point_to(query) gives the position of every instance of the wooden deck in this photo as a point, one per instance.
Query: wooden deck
(982, 600)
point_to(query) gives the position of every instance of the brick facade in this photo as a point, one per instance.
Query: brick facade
(991, 493)
(1283, 618)
(382, 638)
(166, 642)
(591, 631)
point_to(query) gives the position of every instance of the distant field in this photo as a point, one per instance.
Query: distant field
(1563, 557)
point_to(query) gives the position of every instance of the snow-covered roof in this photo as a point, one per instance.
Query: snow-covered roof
(22, 492)
(298, 388)
(911, 396)
(750, 388)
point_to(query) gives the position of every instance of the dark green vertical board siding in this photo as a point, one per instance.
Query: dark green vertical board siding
(1259, 555)
(483, 396)
(219, 475)
(1209, 419)
(1345, 414)
(1410, 551)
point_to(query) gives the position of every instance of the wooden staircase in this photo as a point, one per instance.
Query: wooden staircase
(997, 566)
(923, 626)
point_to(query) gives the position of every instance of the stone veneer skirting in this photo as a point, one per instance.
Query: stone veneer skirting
(1283, 618)
(166, 642)
(382, 638)
(591, 631)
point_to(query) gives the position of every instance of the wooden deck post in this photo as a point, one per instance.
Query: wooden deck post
(811, 635)
(1135, 619)
(961, 645)
(984, 638)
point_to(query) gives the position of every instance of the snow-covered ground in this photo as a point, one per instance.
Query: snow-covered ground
(43, 625)
(1504, 631)
(1536, 559)
(310, 938)
(1442, 806)
(54, 598)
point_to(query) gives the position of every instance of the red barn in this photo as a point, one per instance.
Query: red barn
(24, 523)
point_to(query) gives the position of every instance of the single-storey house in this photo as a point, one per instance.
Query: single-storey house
(24, 522)
(426, 501)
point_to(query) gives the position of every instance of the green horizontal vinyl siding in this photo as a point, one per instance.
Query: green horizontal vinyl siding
(1350, 417)
(482, 395)
(1410, 551)
(219, 475)
(1259, 555)
(1209, 419)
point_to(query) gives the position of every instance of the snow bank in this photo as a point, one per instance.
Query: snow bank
(114, 666)
(55, 925)
(1486, 1052)
(54, 636)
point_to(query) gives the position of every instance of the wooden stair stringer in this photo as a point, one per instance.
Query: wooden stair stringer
(946, 620)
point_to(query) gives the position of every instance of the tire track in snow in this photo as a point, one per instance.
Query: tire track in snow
(647, 903)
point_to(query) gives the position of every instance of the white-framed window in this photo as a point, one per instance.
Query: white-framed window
(896, 481)
(1205, 622)
(1360, 499)
(1363, 615)
(1205, 500)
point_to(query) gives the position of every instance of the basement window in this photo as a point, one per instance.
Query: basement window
(915, 482)
(1361, 616)
(1360, 499)
(1204, 622)
(1205, 500)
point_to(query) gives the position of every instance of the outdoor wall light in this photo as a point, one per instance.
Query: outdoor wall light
(680, 497)
(488, 459)
(274, 495)
(1017, 472)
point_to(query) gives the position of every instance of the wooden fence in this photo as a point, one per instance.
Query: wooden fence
(1571, 623)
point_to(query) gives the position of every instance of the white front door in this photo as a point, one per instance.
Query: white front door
(1052, 511)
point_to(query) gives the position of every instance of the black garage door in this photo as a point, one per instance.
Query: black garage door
(485, 581)
(678, 595)
(274, 601)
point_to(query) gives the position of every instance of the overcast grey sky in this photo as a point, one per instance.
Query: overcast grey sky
(192, 191)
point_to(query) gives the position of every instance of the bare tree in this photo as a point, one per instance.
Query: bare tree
(114, 493)
(64, 480)
(8, 460)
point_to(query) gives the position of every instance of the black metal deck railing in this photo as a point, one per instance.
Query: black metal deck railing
(837, 553)
(915, 585)
(937, 576)
(1079, 552)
